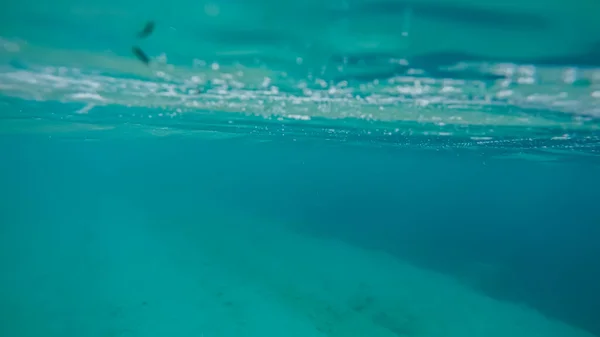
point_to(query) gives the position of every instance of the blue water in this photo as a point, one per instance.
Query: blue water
(328, 168)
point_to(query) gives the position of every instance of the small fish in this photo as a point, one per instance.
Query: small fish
(148, 29)
(139, 53)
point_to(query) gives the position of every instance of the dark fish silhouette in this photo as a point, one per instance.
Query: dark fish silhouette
(139, 53)
(147, 31)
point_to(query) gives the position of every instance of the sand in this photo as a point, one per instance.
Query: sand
(234, 277)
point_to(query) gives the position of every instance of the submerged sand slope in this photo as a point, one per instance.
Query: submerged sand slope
(217, 277)
(345, 291)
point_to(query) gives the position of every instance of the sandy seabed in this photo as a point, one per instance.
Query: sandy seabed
(228, 278)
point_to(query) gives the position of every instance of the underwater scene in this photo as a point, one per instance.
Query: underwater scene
(317, 168)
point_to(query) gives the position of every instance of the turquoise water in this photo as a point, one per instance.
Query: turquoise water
(319, 168)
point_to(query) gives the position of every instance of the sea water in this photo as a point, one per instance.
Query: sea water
(331, 168)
